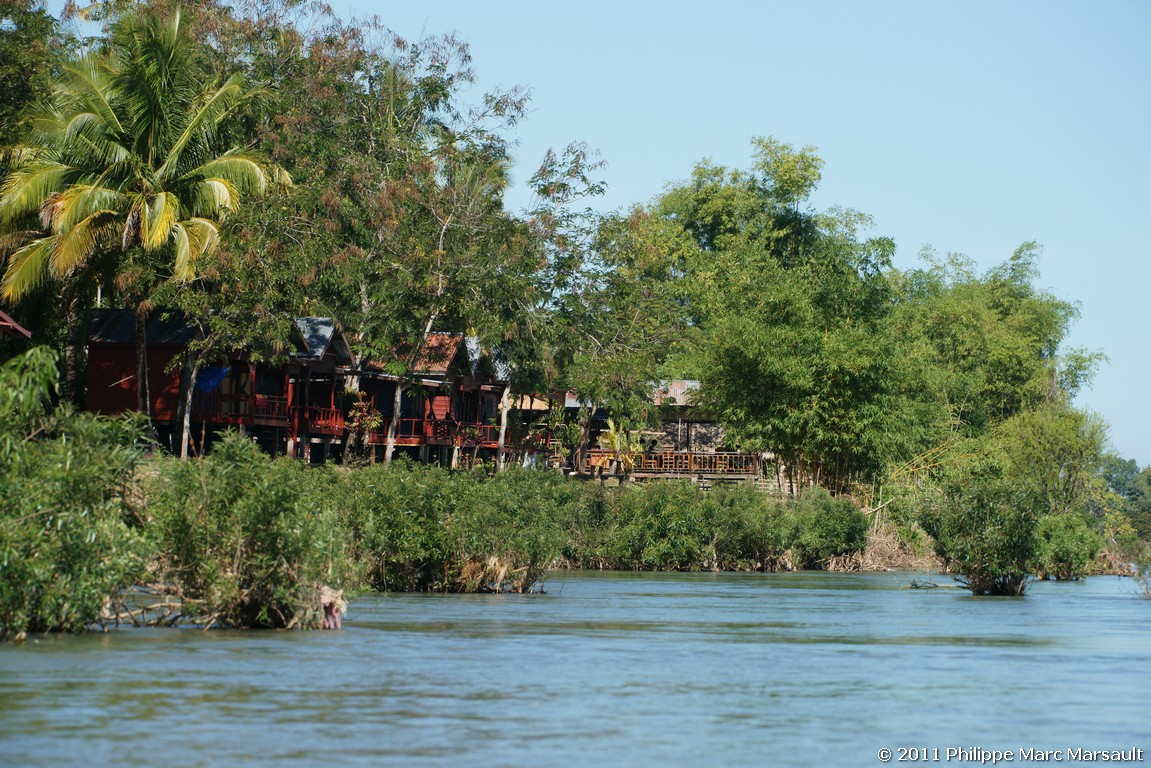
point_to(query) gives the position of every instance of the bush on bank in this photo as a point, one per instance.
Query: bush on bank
(68, 539)
(242, 540)
(237, 541)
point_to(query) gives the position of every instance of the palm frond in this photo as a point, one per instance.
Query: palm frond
(193, 238)
(87, 137)
(88, 82)
(28, 187)
(75, 204)
(74, 248)
(27, 268)
(244, 170)
(202, 124)
(213, 197)
(163, 212)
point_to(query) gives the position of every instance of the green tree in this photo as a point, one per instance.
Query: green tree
(127, 173)
(621, 317)
(29, 45)
(789, 308)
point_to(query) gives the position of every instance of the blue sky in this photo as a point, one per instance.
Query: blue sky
(971, 127)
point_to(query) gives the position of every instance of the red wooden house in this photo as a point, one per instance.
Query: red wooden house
(449, 409)
(293, 407)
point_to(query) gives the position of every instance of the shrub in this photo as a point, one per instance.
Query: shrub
(828, 527)
(241, 542)
(656, 526)
(987, 533)
(67, 548)
(1067, 546)
(747, 529)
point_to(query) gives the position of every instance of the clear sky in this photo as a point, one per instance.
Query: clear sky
(969, 126)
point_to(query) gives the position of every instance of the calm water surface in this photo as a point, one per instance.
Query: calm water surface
(606, 669)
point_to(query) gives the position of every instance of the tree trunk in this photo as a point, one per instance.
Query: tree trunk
(389, 451)
(505, 399)
(74, 345)
(580, 458)
(393, 425)
(192, 370)
(143, 404)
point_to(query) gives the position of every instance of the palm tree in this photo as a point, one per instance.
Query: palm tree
(128, 164)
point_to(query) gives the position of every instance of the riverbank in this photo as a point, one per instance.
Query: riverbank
(237, 539)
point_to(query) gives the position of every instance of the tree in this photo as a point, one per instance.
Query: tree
(126, 174)
(620, 318)
(399, 227)
(789, 307)
(67, 544)
(991, 344)
(29, 42)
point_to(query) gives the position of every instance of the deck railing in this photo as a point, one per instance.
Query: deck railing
(220, 408)
(271, 411)
(223, 408)
(678, 463)
(408, 432)
(441, 431)
(482, 434)
(311, 418)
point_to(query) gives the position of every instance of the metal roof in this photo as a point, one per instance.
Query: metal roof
(318, 336)
(118, 326)
(7, 323)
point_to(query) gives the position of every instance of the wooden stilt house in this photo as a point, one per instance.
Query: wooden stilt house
(449, 406)
(295, 407)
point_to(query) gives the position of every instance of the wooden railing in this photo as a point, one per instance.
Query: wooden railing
(678, 463)
(326, 421)
(408, 432)
(481, 434)
(220, 408)
(423, 431)
(271, 411)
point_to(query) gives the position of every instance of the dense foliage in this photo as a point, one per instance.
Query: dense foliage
(940, 392)
(69, 541)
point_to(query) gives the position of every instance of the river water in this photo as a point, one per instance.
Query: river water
(606, 669)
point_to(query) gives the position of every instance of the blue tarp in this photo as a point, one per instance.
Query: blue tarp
(210, 378)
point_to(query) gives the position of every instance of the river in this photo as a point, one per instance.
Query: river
(606, 669)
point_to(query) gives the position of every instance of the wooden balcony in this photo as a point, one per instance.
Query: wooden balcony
(271, 411)
(220, 408)
(319, 421)
(408, 432)
(416, 432)
(241, 409)
(482, 435)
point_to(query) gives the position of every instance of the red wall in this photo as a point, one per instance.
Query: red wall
(112, 380)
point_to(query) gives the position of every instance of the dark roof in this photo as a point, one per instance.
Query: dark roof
(8, 324)
(118, 326)
(317, 335)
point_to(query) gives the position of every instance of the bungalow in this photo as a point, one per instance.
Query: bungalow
(687, 443)
(449, 402)
(449, 406)
(294, 407)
